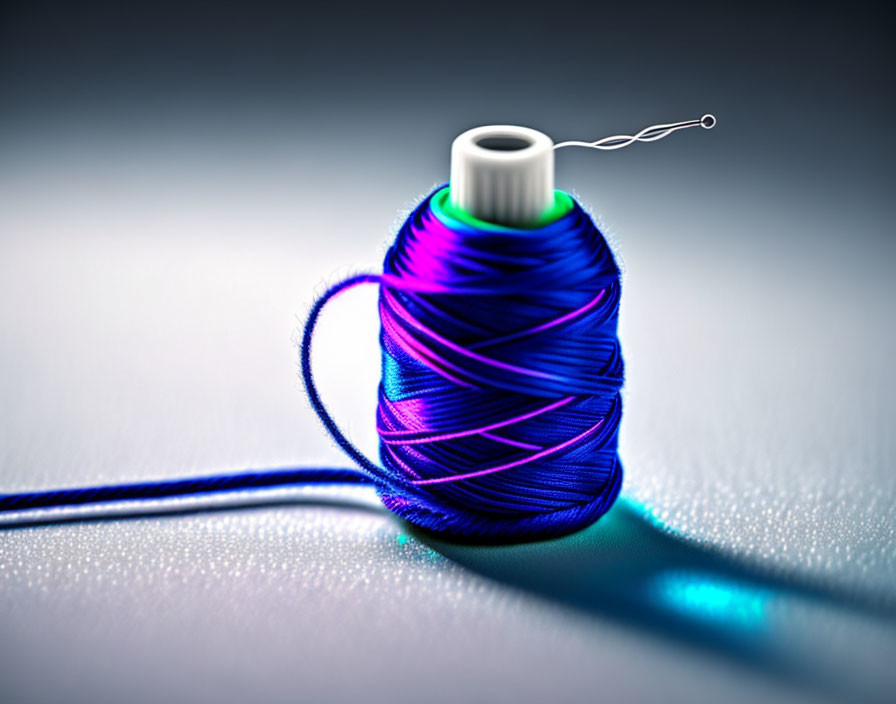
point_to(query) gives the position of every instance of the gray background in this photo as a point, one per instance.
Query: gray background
(176, 183)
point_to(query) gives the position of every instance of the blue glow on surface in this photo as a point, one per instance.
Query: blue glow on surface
(649, 514)
(712, 600)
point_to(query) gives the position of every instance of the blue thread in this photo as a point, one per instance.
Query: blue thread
(179, 487)
(505, 340)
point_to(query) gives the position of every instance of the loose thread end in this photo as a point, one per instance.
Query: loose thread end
(648, 134)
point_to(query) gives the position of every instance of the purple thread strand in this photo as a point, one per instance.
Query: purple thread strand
(516, 463)
(417, 325)
(387, 435)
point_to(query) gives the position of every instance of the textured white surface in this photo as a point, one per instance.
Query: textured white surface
(147, 306)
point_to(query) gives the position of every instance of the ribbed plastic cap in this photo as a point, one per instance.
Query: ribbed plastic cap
(503, 174)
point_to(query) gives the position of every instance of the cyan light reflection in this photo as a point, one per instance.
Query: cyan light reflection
(712, 600)
(648, 513)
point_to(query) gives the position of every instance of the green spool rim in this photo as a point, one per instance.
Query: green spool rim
(446, 212)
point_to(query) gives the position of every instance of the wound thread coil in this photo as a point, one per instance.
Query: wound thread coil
(499, 403)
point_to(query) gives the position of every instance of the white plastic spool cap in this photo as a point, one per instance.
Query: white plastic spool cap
(503, 174)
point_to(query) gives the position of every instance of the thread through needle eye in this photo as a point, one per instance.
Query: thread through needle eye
(648, 134)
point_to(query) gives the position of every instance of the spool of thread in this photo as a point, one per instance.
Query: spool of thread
(499, 403)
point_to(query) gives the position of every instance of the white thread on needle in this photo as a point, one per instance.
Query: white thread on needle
(648, 134)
